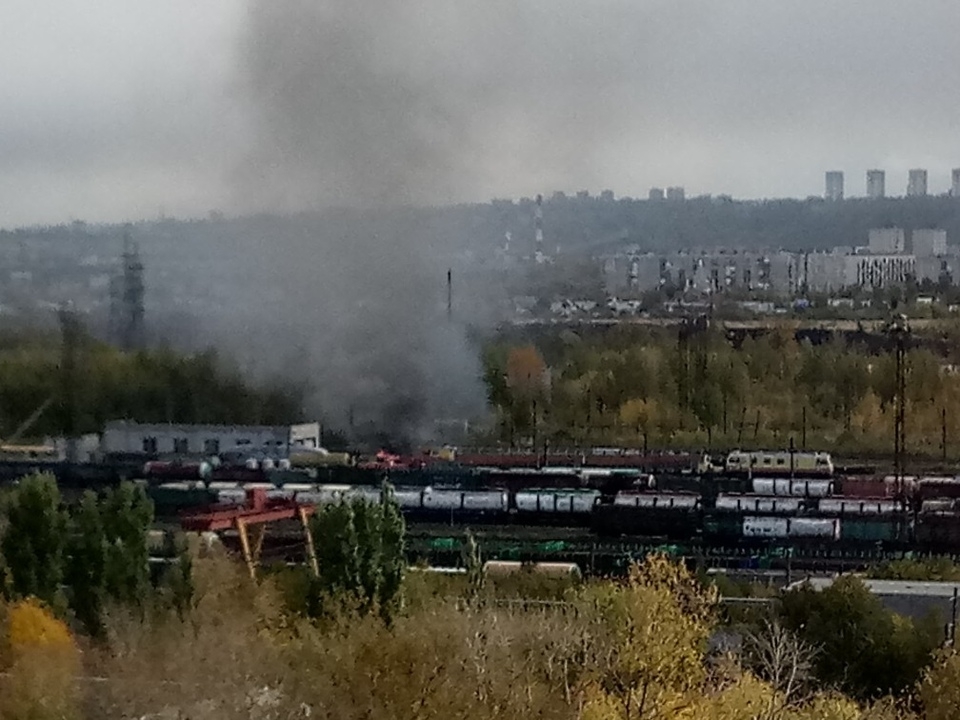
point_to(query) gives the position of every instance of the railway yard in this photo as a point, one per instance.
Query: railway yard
(780, 510)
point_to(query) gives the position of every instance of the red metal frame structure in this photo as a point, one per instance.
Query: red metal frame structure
(256, 514)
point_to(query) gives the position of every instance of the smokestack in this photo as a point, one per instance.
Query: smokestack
(538, 229)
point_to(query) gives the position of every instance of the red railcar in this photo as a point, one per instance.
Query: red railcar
(929, 488)
(872, 486)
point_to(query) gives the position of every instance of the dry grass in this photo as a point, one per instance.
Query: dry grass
(438, 660)
(240, 654)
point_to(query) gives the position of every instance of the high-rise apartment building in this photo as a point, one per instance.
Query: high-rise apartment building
(834, 190)
(955, 184)
(675, 193)
(876, 184)
(917, 183)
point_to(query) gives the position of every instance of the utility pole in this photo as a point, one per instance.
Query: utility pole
(449, 293)
(70, 337)
(126, 298)
(899, 332)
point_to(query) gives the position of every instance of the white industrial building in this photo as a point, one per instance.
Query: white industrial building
(131, 438)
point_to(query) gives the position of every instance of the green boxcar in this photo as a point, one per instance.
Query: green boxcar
(171, 500)
(872, 530)
(723, 526)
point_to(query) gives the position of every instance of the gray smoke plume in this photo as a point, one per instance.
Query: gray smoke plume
(346, 113)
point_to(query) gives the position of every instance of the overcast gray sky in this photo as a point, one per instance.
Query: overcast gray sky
(121, 109)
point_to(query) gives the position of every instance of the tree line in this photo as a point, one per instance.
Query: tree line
(106, 384)
(659, 389)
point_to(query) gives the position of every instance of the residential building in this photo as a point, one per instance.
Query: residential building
(955, 183)
(876, 184)
(676, 194)
(834, 182)
(878, 271)
(824, 271)
(917, 183)
(934, 268)
(887, 241)
(656, 194)
(929, 243)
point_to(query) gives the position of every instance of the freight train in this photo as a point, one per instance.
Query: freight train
(858, 512)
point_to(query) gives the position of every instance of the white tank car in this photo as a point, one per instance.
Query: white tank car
(324, 494)
(758, 504)
(223, 486)
(480, 500)
(848, 506)
(557, 501)
(408, 498)
(765, 527)
(234, 496)
(770, 527)
(815, 528)
(794, 488)
(657, 501)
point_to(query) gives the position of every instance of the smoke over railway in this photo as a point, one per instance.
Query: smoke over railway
(344, 116)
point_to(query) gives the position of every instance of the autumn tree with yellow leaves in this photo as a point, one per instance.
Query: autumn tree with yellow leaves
(636, 386)
(40, 661)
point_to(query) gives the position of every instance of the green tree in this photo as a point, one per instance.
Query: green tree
(86, 572)
(360, 554)
(393, 558)
(473, 564)
(366, 522)
(862, 648)
(127, 514)
(178, 579)
(335, 538)
(34, 540)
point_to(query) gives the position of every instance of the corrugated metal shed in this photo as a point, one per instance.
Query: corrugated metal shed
(905, 597)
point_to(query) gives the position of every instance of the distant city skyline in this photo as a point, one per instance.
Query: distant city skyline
(127, 109)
